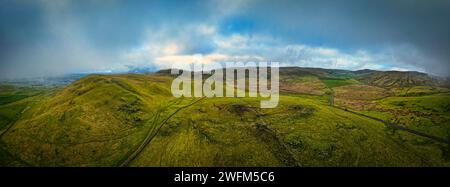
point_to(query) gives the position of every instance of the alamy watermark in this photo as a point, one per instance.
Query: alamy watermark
(231, 79)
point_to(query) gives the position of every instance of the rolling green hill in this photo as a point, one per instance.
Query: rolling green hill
(133, 120)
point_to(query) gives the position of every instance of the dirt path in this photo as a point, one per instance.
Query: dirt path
(151, 135)
(10, 125)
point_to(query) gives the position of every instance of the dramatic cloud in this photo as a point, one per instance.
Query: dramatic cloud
(46, 37)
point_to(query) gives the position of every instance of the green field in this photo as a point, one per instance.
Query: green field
(335, 82)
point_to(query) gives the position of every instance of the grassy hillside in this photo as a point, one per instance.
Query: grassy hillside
(419, 90)
(393, 79)
(109, 120)
(302, 85)
(421, 108)
(426, 113)
(94, 121)
(303, 131)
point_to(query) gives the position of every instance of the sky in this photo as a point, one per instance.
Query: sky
(56, 37)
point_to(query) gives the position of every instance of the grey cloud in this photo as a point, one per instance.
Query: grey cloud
(55, 37)
(356, 24)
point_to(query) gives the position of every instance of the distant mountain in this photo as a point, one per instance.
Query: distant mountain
(386, 79)
(390, 79)
(141, 70)
(45, 81)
